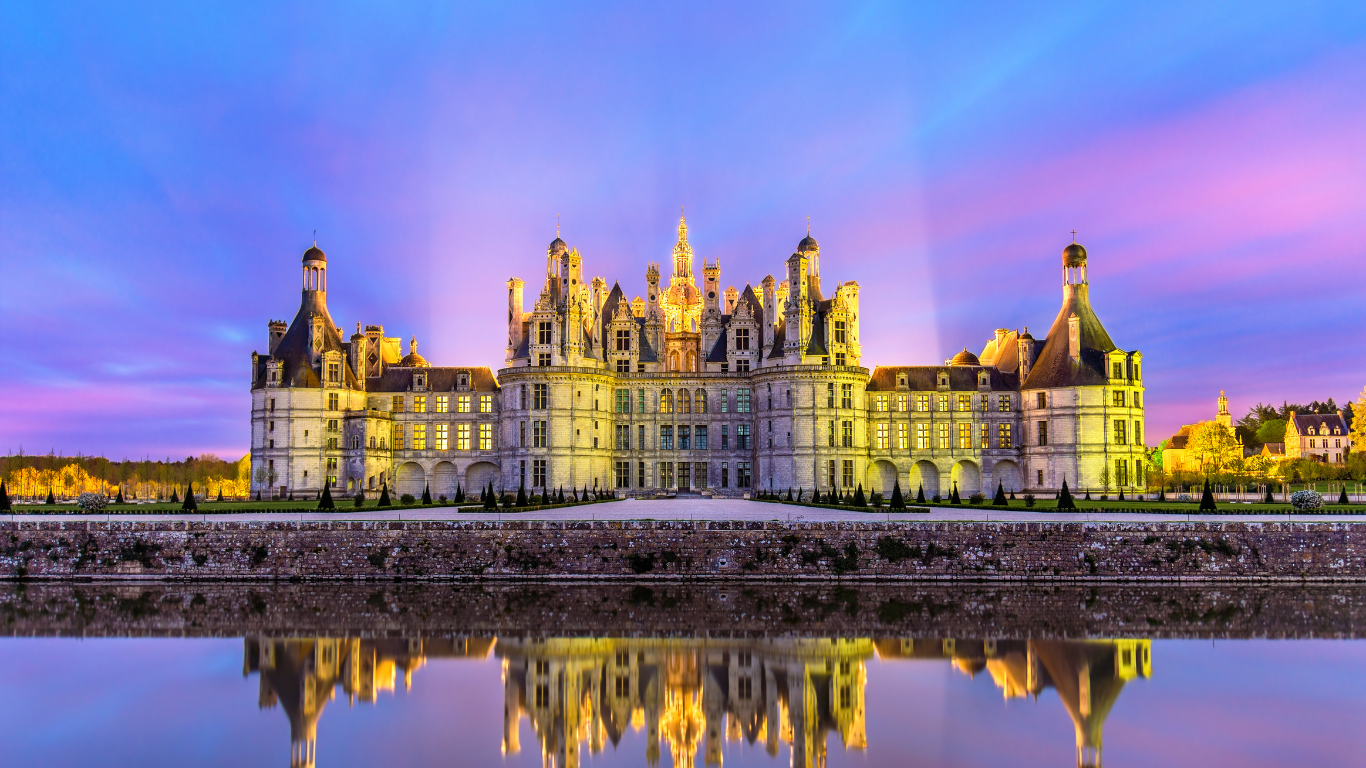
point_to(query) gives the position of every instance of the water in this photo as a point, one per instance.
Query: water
(651, 674)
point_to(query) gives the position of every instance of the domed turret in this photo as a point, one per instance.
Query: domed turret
(1074, 255)
(964, 358)
(808, 245)
(315, 254)
(557, 247)
(413, 359)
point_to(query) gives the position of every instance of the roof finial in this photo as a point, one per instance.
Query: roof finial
(557, 225)
(315, 238)
(808, 226)
(1074, 235)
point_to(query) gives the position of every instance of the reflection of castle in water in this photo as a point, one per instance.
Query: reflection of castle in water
(1087, 674)
(690, 695)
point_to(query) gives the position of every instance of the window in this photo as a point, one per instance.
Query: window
(941, 403)
(333, 425)
(666, 437)
(725, 474)
(543, 359)
(846, 395)
(666, 401)
(623, 435)
(1139, 475)
(539, 438)
(922, 436)
(540, 396)
(419, 437)
(486, 403)
(1138, 433)
(640, 476)
(725, 437)
(1117, 370)
(334, 373)
(538, 473)
(965, 436)
(746, 688)
(839, 358)
(622, 401)
(332, 442)
(700, 437)
(742, 437)
(902, 439)
(1040, 483)
(521, 389)
(485, 437)
(442, 437)
(641, 435)
(881, 436)
(1120, 431)
(742, 474)
(1121, 472)
(1041, 400)
(922, 403)
(398, 437)
(442, 403)
(666, 474)
(986, 402)
(462, 436)
(624, 340)
(1003, 439)
(742, 365)
(830, 395)
(700, 401)
(333, 401)
(396, 405)
(684, 401)
(623, 365)
(742, 338)
(880, 403)
(742, 401)
(420, 404)
(1136, 376)
(623, 474)
(986, 436)
(684, 438)
(848, 473)
(832, 433)
(839, 332)
(543, 333)
(901, 403)
(846, 434)
(1117, 398)
(964, 403)
(1003, 403)
(521, 434)
(1043, 433)
(943, 435)
(1137, 404)
(725, 401)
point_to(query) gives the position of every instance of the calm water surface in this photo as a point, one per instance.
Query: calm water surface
(788, 697)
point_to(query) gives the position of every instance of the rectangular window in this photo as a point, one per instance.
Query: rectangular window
(742, 401)
(623, 474)
(986, 436)
(901, 402)
(846, 434)
(941, 403)
(839, 332)
(521, 434)
(486, 403)
(846, 395)
(666, 438)
(462, 402)
(881, 436)
(742, 365)
(725, 474)
(880, 403)
(830, 473)
(419, 404)
(666, 401)
(1003, 403)
(839, 358)
(943, 435)
(641, 435)
(396, 404)
(442, 437)
(1041, 400)
(538, 435)
(543, 359)
(624, 340)
(902, 436)
(742, 437)
(700, 437)
(832, 433)
(334, 373)
(1121, 431)
(1003, 438)
(725, 437)
(725, 401)
(964, 403)
(540, 396)
(1138, 404)
(742, 474)
(538, 473)
(1121, 472)
(623, 434)
(684, 438)
(543, 334)
(333, 425)
(1117, 398)
(485, 437)
(847, 477)
(521, 389)
(1138, 434)
(1140, 477)
(640, 474)
(922, 403)
(623, 365)
(419, 437)
(666, 474)
(830, 395)
(986, 402)
(922, 436)
(442, 404)
(1117, 370)
(1040, 482)
(742, 338)
(332, 442)
(333, 401)
(462, 436)
(623, 401)
(398, 437)
(1043, 433)
(700, 401)
(965, 436)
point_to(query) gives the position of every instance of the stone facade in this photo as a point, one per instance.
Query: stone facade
(1317, 436)
(694, 389)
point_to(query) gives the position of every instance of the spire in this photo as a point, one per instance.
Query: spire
(682, 250)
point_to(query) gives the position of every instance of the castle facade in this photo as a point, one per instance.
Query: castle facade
(694, 389)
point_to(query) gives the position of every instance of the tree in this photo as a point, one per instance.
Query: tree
(920, 495)
(1207, 499)
(119, 500)
(1000, 500)
(359, 498)
(1269, 498)
(859, 500)
(1342, 497)
(1214, 447)
(816, 495)
(189, 505)
(953, 497)
(1105, 477)
(459, 493)
(898, 501)
(427, 494)
(326, 501)
(4, 498)
(1358, 428)
(800, 493)
(1271, 431)
(521, 495)
(220, 493)
(1065, 497)
(175, 498)
(384, 495)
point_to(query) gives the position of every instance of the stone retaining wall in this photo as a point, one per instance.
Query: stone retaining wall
(669, 549)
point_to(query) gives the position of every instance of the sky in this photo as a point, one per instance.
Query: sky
(164, 166)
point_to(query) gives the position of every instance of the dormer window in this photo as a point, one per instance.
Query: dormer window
(901, 381)
(943, 380)
(1311, 430)
(463, 381)
(419, 381)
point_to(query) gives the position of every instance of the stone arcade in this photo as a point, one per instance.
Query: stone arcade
(694, 389)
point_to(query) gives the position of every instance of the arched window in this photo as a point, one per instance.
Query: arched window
(355, 441)
(372, 441)
(666, 401)
(700, 400)
(692, 360)
(684, 401)
(673, 361)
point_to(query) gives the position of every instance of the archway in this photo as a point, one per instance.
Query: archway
(968, 477)
(882, 477)
(478, 475)
(924, 474)
(444, 476)
(1008, 474)
(410, 479)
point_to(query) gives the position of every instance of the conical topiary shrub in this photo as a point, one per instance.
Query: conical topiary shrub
(953, 497)
(4, 498)
(1121, 495)
(459, 493)
(175, 497)
(258, 494)
(359, 498)
(1342, 497)
(859, 500)
(1162, 494)
(1065, 497)
(898, 502)
(1269, 499)
(189, 505)
(521, 495)
(220, 493)
(384, 495)
(118, 500)
(1207, 499)
(789, 494)
(427, 494)
(1000, 499)
(920, 495)
(325, 502)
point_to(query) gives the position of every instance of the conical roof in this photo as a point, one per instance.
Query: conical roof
(1054, 366)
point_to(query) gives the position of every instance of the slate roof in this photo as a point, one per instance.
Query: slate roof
(396, 378)
(718, 350)
(1319, 422)
(817, 344)
(293, 350)
(962, 378)
(1054, 366)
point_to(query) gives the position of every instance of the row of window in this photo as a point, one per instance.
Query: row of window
(922, 402)
(442, 403)
(682, 475)
(1337, 443)
(441, 437)
(964, 437)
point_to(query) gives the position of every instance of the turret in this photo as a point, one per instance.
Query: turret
(277, 332)
(798, 314)
(358, 351)
(315, 270)
(711, 285)
(515, 316)
(731, 296)
(770, 302)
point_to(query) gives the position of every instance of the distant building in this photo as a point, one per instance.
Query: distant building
(1177, 456)
(1318, 436)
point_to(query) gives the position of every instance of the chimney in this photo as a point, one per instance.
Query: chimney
(515, 313)
(1074, 337)
(277, 332)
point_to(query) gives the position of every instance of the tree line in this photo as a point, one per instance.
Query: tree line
(32, 477)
